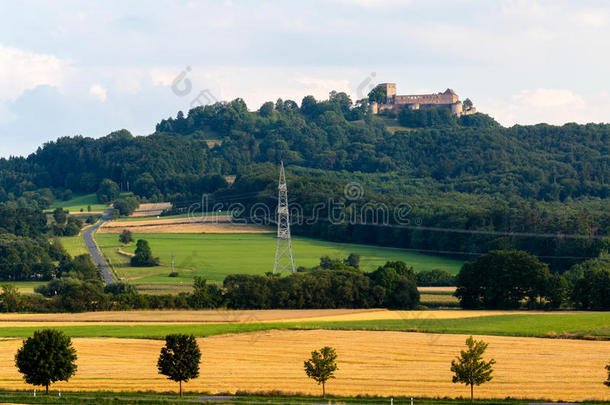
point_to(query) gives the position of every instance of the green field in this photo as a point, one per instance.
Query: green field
(214, 256)
(527, 325)
(75, 245)
(24, 287)
(149, 398)
(78, 202)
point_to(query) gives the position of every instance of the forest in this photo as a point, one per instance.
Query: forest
(465, 185)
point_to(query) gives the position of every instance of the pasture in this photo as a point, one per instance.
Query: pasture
(215, 256)
(80, 202)
(378, 363)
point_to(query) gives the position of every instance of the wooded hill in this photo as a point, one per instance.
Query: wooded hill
(466, 174)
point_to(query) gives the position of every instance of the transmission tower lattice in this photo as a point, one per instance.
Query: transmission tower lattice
(284, 261)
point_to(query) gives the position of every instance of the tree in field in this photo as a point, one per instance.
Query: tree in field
(470, 368)
(607, 382)
(46, 357)
(125, 237)
(179, 358)
(321, 366)
(144, 257)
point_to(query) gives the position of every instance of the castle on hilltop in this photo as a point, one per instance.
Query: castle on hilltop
(447, 99)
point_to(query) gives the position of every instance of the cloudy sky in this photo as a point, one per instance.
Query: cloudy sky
(91, 67)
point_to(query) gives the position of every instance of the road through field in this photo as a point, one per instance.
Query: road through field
(95, 252)
(375, 363)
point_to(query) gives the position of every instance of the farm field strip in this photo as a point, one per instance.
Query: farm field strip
(228, 315)
(594, 325)
(373, 363)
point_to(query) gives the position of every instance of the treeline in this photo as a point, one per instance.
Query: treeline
(460, 227)
(78, 288)
(515, 279)
(540, 162)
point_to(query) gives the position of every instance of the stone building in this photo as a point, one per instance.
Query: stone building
(447, 99)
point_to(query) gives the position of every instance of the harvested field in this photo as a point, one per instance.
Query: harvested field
(152, 209)
(222, 315)
(207, 224)
(377, 363)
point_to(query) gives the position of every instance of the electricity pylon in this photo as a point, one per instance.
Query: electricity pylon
(284, 261)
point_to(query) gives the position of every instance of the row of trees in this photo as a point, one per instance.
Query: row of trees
(512, 279)
(48, 356)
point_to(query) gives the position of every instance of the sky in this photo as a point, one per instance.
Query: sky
(91, 67)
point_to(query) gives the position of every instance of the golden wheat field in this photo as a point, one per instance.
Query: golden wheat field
(376, 363)
(223, 315)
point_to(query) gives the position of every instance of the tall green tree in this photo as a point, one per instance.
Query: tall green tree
(469, 367)
(60, 215)
(46, 357)
(143, 255)
(108, 191)
(179, 359)
(126, 236)
(321, 366)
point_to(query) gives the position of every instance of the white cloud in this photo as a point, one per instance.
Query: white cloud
(552, 106)
(376, 3)
(21, 70)
(98, 92)
(549, 98)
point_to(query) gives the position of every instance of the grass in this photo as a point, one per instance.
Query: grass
(522, 325)
(148, 398)
(24, 287)
(78, 202)
(75, 245)
(214, 256)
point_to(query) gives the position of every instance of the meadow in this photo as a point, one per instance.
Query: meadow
(214, 256)
(80, 202)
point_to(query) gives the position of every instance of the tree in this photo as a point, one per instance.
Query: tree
(126, 237)
(378, 95)
(46, 357)
(144, 257)
(469, 368)
(108, 191)
(60, 215)
(179, 358)
(10, 299)
(503, 279)
(266, 109)
(467, 104)
(321, 366)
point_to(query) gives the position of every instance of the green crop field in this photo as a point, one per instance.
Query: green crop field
(78, 202)
(214, 256)
(75, 245)
(527, 325)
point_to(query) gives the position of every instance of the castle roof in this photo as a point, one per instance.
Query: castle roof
(449, 91)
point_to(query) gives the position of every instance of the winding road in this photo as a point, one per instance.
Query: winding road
(95, 252)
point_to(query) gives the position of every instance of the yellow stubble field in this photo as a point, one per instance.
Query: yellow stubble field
(375, 363)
